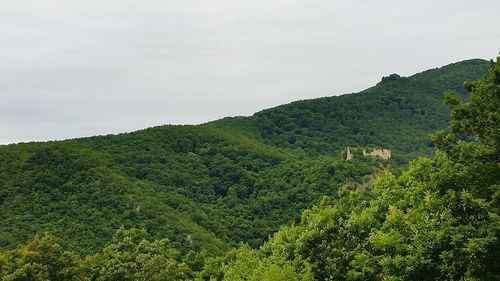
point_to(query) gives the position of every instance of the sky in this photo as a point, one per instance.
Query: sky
(81, 68)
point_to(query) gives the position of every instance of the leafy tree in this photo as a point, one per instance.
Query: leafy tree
(439, 220)
(245, 263)
(201, 190)
(131, 257)
(215, 185)
(40, 259)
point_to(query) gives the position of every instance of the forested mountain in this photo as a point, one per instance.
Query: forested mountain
(207, 188)
(398, 113)
(439, 220)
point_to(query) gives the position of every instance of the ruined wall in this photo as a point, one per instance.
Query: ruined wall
(382, 153)
(349, 155)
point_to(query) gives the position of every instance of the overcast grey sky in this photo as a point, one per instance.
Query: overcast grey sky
(81, 68)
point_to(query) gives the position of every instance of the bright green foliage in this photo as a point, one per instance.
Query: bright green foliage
(77, 195)
(245, 263)
(40, 259)
(397, 113)
(215, 185)
(131, 257)
(198, 187)
(201, 190)
(437, 221)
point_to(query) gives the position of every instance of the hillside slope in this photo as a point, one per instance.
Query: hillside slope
(398, 113)
(438, 220)
(214, 185)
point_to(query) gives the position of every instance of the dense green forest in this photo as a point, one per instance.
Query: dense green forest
(439, 220)
(176, 202)
(399, 113)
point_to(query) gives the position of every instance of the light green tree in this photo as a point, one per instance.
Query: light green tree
(40, 259)
(131, 256)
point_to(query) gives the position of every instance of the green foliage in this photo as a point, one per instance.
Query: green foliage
(397, 113)
(131, 257)
(40, 259)
(202, 188)
(245, 263)
(439, 220)
(168, 203)
(74, 193)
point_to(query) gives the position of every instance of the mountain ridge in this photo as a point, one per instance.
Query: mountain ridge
(424, 81)
(459, 90)
(223, 182)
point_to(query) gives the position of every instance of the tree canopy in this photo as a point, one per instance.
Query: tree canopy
(231, 200)
(439, 220)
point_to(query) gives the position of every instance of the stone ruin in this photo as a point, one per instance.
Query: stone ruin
(349, 155)
(380, 153)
